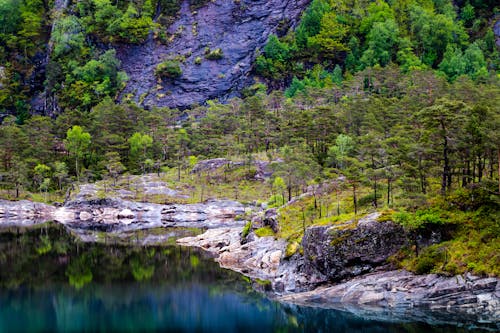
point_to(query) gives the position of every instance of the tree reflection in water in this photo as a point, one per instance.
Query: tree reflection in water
(50, 281)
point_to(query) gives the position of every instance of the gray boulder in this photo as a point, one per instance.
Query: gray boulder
(344, 251)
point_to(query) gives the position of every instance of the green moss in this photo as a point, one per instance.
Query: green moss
(291, 249)
(432, 259)
(263, 283)
(264, 232)
(340, 239)
(246, 229)
(386, 215)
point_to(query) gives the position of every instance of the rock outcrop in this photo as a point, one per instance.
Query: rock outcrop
(24, 213)
(117, 215)
(259, 258)
(237, 28)
(344, 251)
(431, 298)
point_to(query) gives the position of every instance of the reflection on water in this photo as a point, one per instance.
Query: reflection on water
(51, 282)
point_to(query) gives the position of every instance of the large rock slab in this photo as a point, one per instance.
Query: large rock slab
(344, 251)
(259, 258)
(431, 298)
(24, 213)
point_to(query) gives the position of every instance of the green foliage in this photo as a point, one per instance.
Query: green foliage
(276, 200)
(415, 34)
(340, 152)
(169, 69)
(264, 232)
(381, 41)
(431, 259)
(310, 24)
(68, 37)
(420, 219)
(77, 143)
(96, 79)
(139, 145)
(9, 16)
(214, 54)
(246, 230)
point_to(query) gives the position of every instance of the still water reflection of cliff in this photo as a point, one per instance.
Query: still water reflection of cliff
(49, 281)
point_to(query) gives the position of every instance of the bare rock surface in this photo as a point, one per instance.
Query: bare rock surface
(351, 249)
(260, 258)
(262, 168)
(237, 28)
(24, 213)
(403, 296)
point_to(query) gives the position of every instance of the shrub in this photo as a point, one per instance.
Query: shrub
(431, 259)
(214, 54)
(368, 199)
(275, 201)
(246, 229)
(169, 68)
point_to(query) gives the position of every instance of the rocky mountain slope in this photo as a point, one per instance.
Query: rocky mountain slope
(237, 28)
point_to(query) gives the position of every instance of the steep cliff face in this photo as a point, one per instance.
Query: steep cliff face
(237, 28)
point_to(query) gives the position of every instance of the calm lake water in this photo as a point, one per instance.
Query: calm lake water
(51, 282)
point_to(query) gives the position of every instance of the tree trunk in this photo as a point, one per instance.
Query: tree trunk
(77, 173)
(446, 167)
(421, 175)
(355, 201)
(388, 191)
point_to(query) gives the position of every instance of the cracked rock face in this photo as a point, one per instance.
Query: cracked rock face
(237, 28)
(345, 251)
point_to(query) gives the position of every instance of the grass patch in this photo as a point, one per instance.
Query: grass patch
(264, 232)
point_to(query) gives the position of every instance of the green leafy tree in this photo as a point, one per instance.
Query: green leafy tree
(330, 40)
(444, 123)
(18, 175)
(114, 165)
(182, 149)
(279, 187)
(60, 173)
(382, 39)
(77, 142)
(297, 168)
(310, 25)
(139, 145)
(41, 175)
(340, 152)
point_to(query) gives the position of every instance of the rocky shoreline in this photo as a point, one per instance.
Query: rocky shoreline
(394, 295)
(341, 267)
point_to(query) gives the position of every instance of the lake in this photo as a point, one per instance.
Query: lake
(52, 282)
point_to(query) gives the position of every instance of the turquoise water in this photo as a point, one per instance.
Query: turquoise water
(50, 282)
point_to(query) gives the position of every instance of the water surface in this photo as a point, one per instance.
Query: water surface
(51, 282)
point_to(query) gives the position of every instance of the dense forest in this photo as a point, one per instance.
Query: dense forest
(399, 99)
